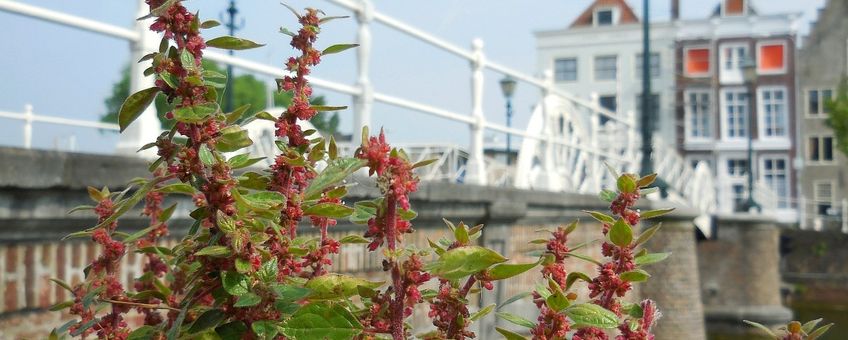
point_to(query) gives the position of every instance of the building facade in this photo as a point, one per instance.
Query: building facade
(821, 66)
(719, 110)
(599, 57)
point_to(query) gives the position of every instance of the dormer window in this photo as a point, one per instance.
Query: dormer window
(734, 8)
(605, 16)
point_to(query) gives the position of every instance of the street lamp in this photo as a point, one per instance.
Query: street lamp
(508, 89)
(749, 73)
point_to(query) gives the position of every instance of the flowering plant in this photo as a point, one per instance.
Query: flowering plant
(243, 271)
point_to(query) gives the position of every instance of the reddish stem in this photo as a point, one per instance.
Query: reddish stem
(397, 283)
(462, 294)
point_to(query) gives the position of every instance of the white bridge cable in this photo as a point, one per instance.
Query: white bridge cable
(68, 20)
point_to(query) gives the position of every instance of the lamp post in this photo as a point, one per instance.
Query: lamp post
(508, 89)
(749, 73)
(231, 25)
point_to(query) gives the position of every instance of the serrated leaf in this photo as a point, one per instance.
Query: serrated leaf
(621, 234)
(482, 312)
(515, 319)
(591, 315)
(460, 262)
(335, 172)
(331, 210)
(636, 275)
(232, 43)
(265, 329)
(650, 258)
(647, 234)
(134, 105)
(209, 319)
(235, 284)
(337, 48)
(337, 286)
(322, 321)
(655, 213)
(264, 200)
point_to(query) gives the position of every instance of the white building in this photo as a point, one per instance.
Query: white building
(599, 54)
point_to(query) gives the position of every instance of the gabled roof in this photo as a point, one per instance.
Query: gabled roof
(626, 14)
(750, 10)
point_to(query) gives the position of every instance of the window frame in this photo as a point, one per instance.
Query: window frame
(705, 74)
(637, 69)
(595, 67)
(819, 140)
(687, 115)
(613, 14)
(819, 90)
(761, 112)
(576, 69)
(724, 9)
(817, 201)
(725, 136)
(782, 202)
(732, 76)
(758, 51)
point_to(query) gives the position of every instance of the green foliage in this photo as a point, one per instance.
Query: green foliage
(837, 118)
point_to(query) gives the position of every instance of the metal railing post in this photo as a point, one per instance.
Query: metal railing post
(845, 216)
(27, 126)
(146, 128)
(548, 129)
(594, 128)
(476, 165)
(365, 99)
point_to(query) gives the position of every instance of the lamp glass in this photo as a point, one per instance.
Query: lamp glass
(508, 86)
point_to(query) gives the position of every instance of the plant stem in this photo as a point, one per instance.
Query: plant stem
(397, 284)
(142, 305)
(462, 294)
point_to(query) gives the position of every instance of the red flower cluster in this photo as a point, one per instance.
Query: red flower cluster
(446, 309)
(300, 107)
(557, 247)
(650, 314)
(622, 206)
(552, 325)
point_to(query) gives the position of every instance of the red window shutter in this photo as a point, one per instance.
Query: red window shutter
(698, 61)
(734, 7)
(771, 57)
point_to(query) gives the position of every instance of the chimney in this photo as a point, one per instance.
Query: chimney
(675, 10)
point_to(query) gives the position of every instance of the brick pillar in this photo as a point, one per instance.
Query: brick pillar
(674, 283)
(740, 275)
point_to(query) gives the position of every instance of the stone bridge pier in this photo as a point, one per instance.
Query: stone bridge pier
(37, 188)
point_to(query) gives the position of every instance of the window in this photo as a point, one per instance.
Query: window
(734, 106)
(773, 120)
(771, 58)
(775, 174)
(820, 149)
(823, 197)
(606, 67)
(698, 115)
(655, 108)
(655, 65)
(731, 58)
(697, 62)
(816, 101)
(604, 17)
(737, 167)
(733, 7)
(609, 102)
(565, 69)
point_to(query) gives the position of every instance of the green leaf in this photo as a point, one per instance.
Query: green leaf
(424, 163)
(61, 305)
(626, 183)
(214, 251)
(187, 60)
(591, 315)
(139, 234)
(633, 309)
(233, 138)
(621, 234)
(636, 275)
(761, 327)
(208, 319)
(265, 329)
(62, 284)
(557, 301)
(650, 258)
(515, 319)
(196, 113)
(243, 161)
(647, 234)
(205, 155)
(232, 117)
(235, 284)
(265, 199)
(573, 277)
(142, 333)
(607, 195)
(810, 325)
(819, 332)
(248, 300)
(322, 321)
(243, 266)
(214, 79)
(362, 212)
(177, 188)
(601, 217)
(331, 210)
(655, 213)
(209, 24)
(290, 293)
(337, 286)
(268, 270)
(335, 172)
(232, 330)
(232, 43)
(135, 105)
(516, 297)
(337, 48)
(464, 261)
(482, 312)
(584, 258)
(353, 239)
(646, 180)
(323, 108)
(507, 270)
(510, 335)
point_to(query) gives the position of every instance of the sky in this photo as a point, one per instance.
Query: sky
(66, 72)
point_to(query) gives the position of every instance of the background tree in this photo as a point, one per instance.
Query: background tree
(838, 116)
(248, 90)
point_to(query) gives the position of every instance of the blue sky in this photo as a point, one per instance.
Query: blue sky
(66, 72)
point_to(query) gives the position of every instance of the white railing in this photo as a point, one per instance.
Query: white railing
(28, 118)
(564, 146)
